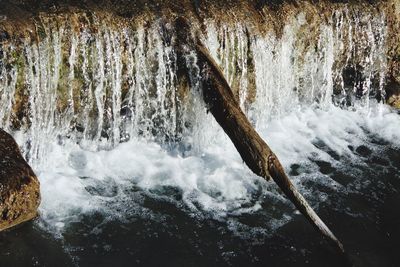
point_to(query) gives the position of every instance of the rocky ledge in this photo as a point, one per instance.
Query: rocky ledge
(19, 186)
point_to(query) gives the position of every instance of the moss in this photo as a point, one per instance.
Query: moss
(20, 95)
(64, 84)
(18, 59)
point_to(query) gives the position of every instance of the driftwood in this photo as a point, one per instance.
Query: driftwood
(252, 148)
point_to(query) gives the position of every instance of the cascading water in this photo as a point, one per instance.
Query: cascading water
(103, 118)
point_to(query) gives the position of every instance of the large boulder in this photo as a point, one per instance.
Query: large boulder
(19, 186)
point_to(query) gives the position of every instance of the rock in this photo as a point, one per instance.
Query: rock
(19, 186)
(393, 42)
(393, 93)
(394, 101)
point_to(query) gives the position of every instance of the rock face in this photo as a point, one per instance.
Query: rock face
(19, 186)
(393, 93)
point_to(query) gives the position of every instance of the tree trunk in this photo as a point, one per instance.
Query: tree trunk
(254, 151)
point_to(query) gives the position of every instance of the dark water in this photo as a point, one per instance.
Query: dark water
(365, 217)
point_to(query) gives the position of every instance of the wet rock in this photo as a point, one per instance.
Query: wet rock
(393, 93)
(353, 79)
(4, 36)
(393, 42)
(394, 101)
(19, 186)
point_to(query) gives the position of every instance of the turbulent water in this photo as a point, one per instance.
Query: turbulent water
(130, 165)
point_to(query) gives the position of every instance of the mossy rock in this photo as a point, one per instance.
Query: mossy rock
(19, 186)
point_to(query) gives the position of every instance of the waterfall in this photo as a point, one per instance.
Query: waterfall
(99, 85)
(109, 112)
(84, 91)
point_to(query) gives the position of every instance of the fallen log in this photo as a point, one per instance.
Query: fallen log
(254, 151)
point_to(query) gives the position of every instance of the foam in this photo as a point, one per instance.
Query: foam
(211, 182)
(202, 173)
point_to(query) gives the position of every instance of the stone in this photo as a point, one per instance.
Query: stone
(19, 186)
(394, 101)
(392, 90)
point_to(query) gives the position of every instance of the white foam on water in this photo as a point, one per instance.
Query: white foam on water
(293, 136)
(216, 180)
(212, 181)
(134, 95)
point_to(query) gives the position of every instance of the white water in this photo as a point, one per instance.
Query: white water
(134, 70)
(214, 183)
